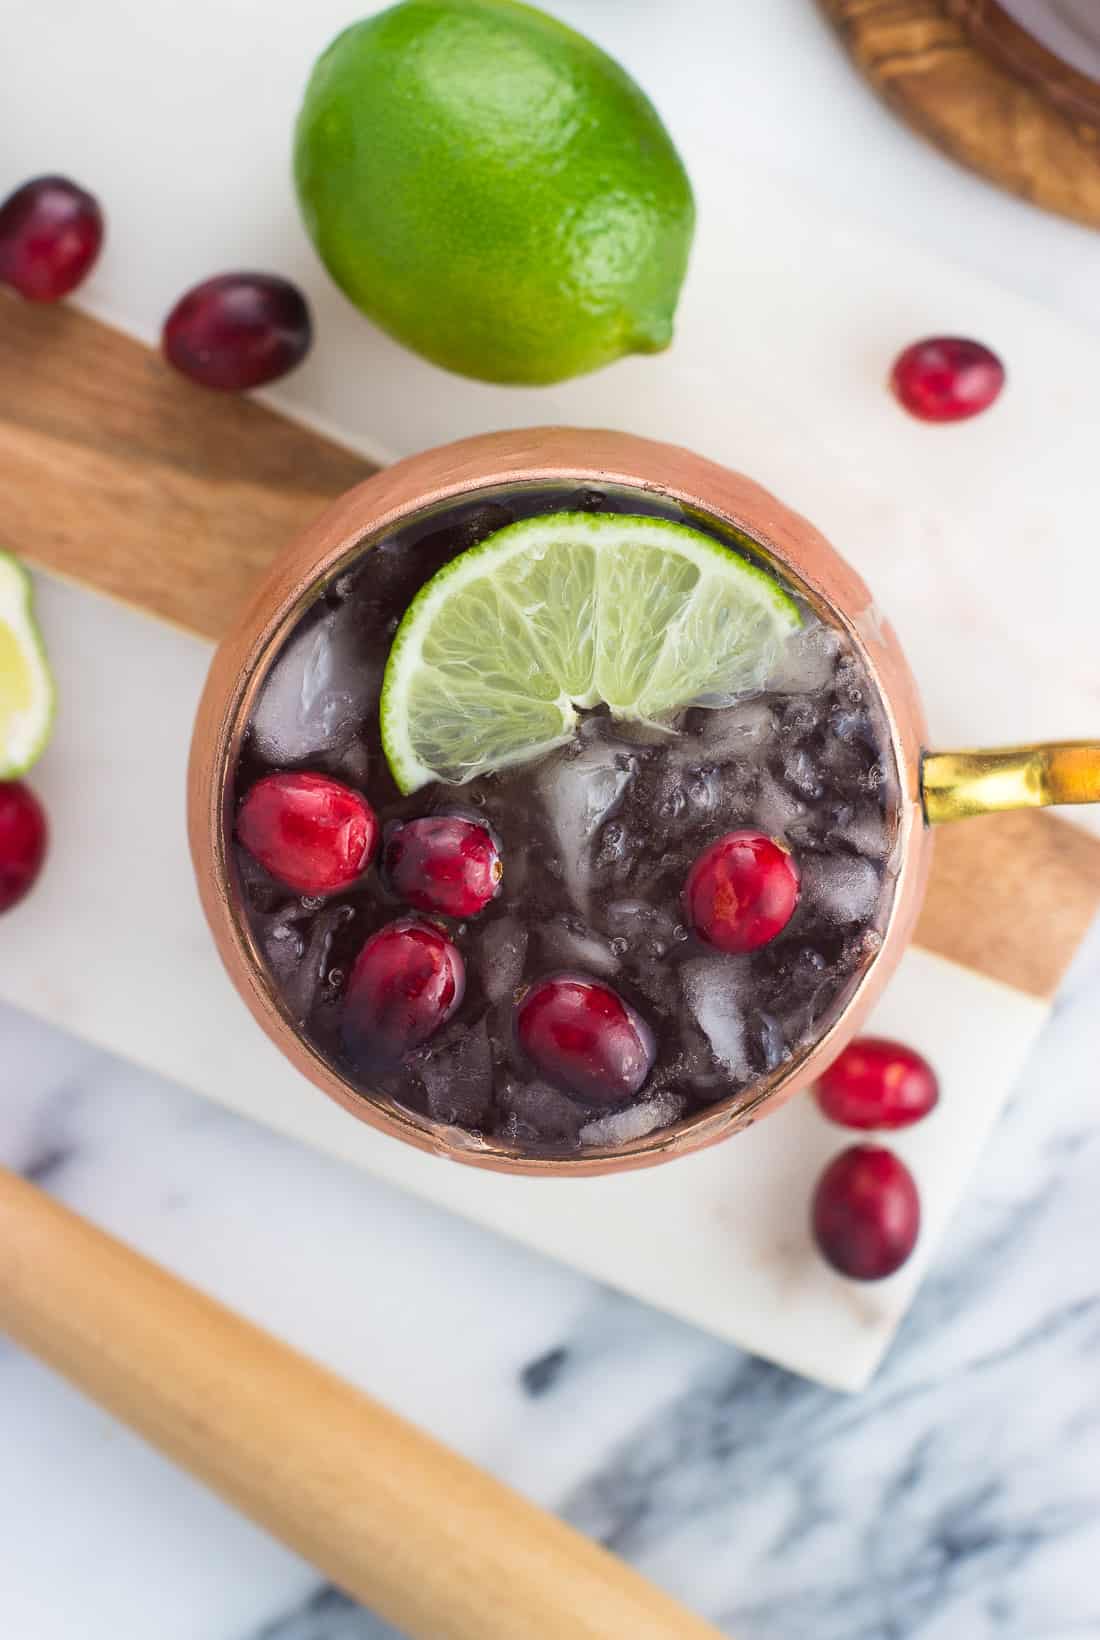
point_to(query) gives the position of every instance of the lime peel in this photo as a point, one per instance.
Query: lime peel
(500, 649)
(26, 685)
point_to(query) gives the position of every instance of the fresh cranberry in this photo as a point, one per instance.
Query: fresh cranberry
(866, 1213)
(23, 839)
(407, 981)
(584, 1038)
(443, 863)
(238, 331)
(876, 1083)
(741, 892)
(50, 234)
(947, 378)
(310, 832)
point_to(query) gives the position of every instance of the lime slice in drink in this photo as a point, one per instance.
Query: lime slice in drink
(499, 649)
(26, 687)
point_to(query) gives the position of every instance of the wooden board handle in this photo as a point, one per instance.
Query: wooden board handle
(435, 1545)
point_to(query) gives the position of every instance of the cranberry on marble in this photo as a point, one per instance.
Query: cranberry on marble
(866, 1213)
(24, 838)
(947, 378)
(877, 1083)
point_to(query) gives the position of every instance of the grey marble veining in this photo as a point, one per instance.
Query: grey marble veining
(328, 1615)
(957, 1499)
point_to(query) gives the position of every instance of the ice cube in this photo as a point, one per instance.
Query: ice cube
(688, 789)
(502, 951)
(774, 808)
(801, 773)
(773, 1044)
(853, 725)
(845, 888)
(619, 1127)
(849, 680)
(458, 1077)
(533, 1108)
(738, 731)
(806, 661)
(865, 832)
(317, 692)
(850, 767)
(283, 947)
(716, 990)
(569, 944)
(803, 974)
(656, 978)
(799, 718)
(638, 919)
(302, 955)
(614, 845)
(581, 790)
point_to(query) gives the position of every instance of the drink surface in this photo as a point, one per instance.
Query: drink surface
(597, 840)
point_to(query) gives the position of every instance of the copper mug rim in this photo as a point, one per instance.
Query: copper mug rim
(410, 487)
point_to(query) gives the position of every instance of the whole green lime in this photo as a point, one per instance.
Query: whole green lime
(493, 190)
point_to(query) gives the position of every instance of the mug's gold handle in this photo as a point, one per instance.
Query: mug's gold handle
(957, 785)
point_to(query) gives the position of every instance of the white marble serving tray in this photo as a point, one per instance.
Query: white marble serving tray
(113, 946)
(978, 540)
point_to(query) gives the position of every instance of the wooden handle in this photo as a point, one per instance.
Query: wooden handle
(121, 475)
(432, 1543)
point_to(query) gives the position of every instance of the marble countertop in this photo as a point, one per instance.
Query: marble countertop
(956, 1499)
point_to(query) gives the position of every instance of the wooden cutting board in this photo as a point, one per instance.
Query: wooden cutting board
(117, 473)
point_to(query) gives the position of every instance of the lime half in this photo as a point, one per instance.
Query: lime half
(26, 687)
(499, 649)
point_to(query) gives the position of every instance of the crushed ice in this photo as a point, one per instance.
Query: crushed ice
(318, 690)
(581, 791)
(619, 1127)
(714, 989)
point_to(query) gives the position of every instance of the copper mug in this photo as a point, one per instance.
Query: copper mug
(934, 786)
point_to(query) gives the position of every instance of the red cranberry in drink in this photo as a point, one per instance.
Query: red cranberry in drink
(50, 235)
(407, 981)
(581, 1036)
(444, 863)
(866, 1213)
(741, 892)
(238, 331)
(23, 840)
(312, 833)
(876, 1083)
(947, 378)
